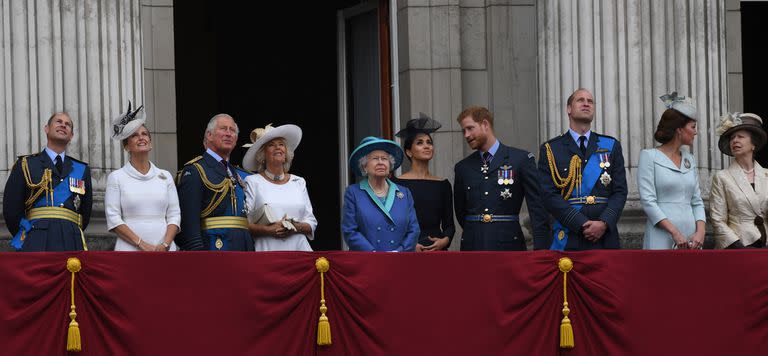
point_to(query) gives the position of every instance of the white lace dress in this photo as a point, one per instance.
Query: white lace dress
(289, 199)
(147, 203)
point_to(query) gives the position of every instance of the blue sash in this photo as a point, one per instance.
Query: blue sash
(590, 175)
(61, 194)
(213, 234)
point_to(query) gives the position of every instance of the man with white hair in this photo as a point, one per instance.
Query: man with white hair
(211, 194)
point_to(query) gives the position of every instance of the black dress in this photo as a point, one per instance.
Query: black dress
(433, 200)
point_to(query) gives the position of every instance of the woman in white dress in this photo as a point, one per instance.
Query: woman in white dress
(140, 202)
(271, 154)
(668, 182)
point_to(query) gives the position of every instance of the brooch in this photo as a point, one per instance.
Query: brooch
(400, 195)
(687, 163)
(605, 178)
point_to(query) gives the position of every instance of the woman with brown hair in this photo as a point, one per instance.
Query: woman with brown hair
(739, 195)
(668, 181)
(432, 195)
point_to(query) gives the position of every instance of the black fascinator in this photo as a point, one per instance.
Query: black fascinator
(420, 124)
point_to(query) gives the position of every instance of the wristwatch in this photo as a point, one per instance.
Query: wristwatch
(166, 245)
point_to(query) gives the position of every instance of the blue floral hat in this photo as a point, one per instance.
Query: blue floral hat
(681, 104)
(370, 144)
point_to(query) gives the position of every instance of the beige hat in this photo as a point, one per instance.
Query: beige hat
(732, 122)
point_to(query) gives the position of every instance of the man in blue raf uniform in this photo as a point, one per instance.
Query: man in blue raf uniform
(211, 194)
(583, 182)
(47, 202)
(490, 185)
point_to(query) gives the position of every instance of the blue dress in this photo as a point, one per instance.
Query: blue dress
(370, 224)
(668, 192)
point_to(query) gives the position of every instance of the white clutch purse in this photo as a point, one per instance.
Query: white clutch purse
(264, 215)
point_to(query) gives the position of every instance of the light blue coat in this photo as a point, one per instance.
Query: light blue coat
(668, 192)
(369, 225)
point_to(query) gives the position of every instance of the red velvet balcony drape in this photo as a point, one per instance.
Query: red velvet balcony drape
(622, 303)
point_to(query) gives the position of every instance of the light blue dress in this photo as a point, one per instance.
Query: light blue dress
(668, 192)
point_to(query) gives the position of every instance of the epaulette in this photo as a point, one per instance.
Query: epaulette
(604, 135)
(553, 139)
(77, 160)
(193, 160)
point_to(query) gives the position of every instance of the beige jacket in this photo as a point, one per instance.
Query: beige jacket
(734, 205)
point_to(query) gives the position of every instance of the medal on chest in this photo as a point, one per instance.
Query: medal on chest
(77, 186)
(219, 244)
(605, 163)
(76, 202)
(505, 194)
(505, 175)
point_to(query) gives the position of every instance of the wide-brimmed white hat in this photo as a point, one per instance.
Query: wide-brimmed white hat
(126, 124)
(259, 136)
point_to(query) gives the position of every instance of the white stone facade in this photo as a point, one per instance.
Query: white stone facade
(520, 58)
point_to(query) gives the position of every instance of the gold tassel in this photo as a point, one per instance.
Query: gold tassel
(323, 326)
(73, 334)
(566, 329)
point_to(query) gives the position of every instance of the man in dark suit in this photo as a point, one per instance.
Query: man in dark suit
(490, 185)
(583, 181)
(211, 194)
(47, 198)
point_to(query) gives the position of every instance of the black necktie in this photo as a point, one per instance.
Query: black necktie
(59, 165)
(583, 146)
(226, 167)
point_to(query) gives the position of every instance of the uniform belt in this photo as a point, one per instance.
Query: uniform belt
(488, 218)
(224, 222)
(53, 212)
(588, 200)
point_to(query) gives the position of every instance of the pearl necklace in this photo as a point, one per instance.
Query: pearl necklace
(383, 192)
(274, 177)
(747, 171)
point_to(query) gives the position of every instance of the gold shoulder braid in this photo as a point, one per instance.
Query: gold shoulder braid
(181, 171)
(219, 191)
(44, 185)
(573, 179)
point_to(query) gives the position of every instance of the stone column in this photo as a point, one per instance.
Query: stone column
(628, 53)
(457, 53)
(79, 56)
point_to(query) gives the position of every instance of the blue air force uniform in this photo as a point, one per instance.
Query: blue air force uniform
(212, 202)
(581, 187)
(487, 200)
(47, 209)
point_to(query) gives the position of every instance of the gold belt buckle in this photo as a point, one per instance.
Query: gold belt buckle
(487, 218)
(591, 200)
